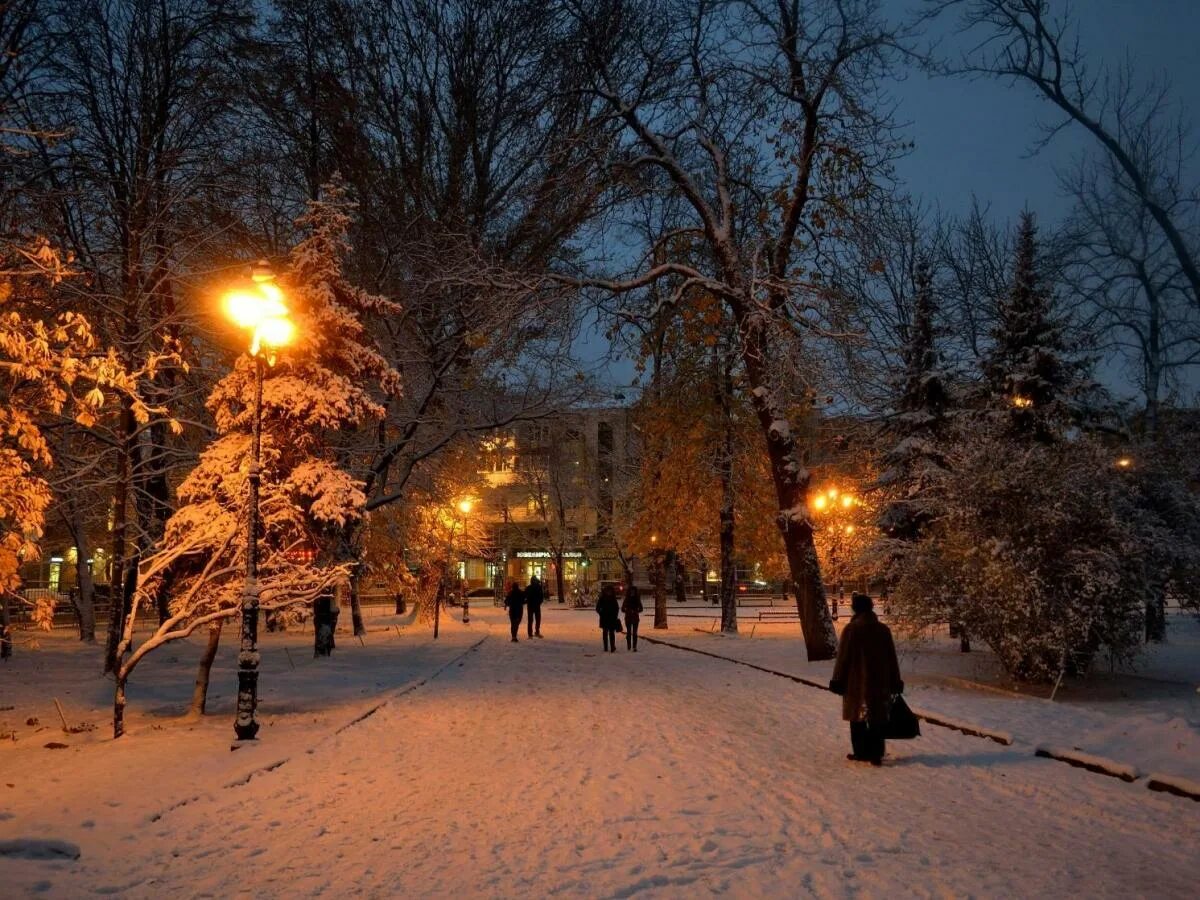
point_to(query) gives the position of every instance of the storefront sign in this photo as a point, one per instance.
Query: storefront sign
(546, 554)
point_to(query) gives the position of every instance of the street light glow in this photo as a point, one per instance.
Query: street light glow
(1124, 463)
(464, 506)
(262, 310)
(275, 331)
(819, 501)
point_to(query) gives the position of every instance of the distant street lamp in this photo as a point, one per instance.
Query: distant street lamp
(464, 507)
(830, 501)
(260, 309)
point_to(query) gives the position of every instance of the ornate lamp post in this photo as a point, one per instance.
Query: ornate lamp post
(262, 311)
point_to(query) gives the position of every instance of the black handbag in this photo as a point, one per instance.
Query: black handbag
(902, 724)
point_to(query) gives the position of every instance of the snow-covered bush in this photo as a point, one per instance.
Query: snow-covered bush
(1040, 550)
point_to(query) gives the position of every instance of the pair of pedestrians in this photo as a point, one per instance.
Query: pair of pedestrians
(517, 599)
(609, 611)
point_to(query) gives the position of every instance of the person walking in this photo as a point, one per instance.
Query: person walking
(609, 611)
(632, 607)
(866, 675)
(534, 595)
(514, 600)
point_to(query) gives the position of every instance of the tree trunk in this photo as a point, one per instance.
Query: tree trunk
(791, 480)
(119, 704)
(116, 615)
(437, 605)
(85, 603)
(356, 616)
(5, 628)
(658, 575)
(680, 579)
(559, 579)
(324, 624)
(728, 571)
(200, 689)
(726, 518)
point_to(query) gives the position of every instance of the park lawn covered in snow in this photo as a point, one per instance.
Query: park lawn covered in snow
(1148, 719)
(546, 768)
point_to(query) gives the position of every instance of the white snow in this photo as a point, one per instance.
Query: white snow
(545, 768)
(1149, 720)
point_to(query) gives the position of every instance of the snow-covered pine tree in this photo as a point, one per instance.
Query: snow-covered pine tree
(1033, 381)
(326, 383)
(915, 431)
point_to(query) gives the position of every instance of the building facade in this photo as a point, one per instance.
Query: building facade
(550, 499)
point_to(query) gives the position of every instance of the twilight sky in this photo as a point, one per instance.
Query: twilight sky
(973, 137)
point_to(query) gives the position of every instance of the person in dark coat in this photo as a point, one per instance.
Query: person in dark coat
(866, 675)
(609, 611)
(632, 607)
(534, 595)
(514, 600)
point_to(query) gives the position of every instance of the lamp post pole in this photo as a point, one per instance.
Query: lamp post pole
(245, 726)
(262, 311)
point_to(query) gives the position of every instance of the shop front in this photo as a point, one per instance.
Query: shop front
(522, 565)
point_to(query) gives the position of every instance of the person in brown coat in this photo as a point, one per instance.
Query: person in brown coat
(866, 675)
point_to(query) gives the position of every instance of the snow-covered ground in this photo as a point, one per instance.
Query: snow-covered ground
(547, 768)
(1149, 719)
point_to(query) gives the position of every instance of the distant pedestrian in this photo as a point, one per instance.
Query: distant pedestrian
(632, 607)
(866, 675)
(514, 600)
(609, 611)
(534, 595)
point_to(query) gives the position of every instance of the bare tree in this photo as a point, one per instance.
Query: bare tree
(134, 186)
(1139, 299)
(1137, 130)
(761, 117)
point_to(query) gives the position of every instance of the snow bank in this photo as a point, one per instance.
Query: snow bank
(971, 728)
(1089, 761)
(1173, 784)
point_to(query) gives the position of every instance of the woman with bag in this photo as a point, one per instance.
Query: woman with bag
(609, 611)
(866, 675)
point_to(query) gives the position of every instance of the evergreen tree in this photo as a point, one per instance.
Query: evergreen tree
(1031, 380)
(917, 427)
(318, 388)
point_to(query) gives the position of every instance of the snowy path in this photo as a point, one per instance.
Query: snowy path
(547, 768)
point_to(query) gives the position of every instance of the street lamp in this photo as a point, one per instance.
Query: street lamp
(262, 311)
(831, 501)
(464, 507)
